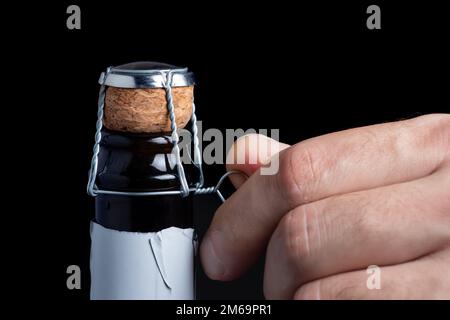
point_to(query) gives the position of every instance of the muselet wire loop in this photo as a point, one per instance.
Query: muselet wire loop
(165, 77)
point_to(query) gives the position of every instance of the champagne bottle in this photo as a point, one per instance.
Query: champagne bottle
(143, 238)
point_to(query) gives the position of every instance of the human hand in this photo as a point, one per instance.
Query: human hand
(377, 195)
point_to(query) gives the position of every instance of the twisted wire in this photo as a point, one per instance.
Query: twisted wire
(197, 154)
(173, 126)
(97, 138)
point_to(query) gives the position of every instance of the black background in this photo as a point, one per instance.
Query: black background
(307, 69)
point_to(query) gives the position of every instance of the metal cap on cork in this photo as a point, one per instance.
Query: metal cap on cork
(136, 99)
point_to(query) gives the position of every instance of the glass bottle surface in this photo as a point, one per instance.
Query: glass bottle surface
(136, 163)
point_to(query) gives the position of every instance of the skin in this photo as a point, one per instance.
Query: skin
(376, 195)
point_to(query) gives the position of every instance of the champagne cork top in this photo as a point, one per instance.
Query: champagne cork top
(136, 97)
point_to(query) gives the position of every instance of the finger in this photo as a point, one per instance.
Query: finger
(249, 153)
(333, 164)
(426, 278)
(383, 226)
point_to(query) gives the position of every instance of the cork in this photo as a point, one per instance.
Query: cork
(145, 110)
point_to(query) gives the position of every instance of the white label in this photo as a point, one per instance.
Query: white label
(142, 266)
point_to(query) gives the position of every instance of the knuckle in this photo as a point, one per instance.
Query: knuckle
(439, 120)
(298, 234)
(432, 130)
(366, 225)
(358, 207)
(297, 174)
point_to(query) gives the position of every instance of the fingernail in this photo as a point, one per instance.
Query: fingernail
(212, 264)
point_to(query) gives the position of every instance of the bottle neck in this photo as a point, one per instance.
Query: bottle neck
(134, 163)
(144, 214)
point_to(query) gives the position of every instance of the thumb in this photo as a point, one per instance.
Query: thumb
(249, 153)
